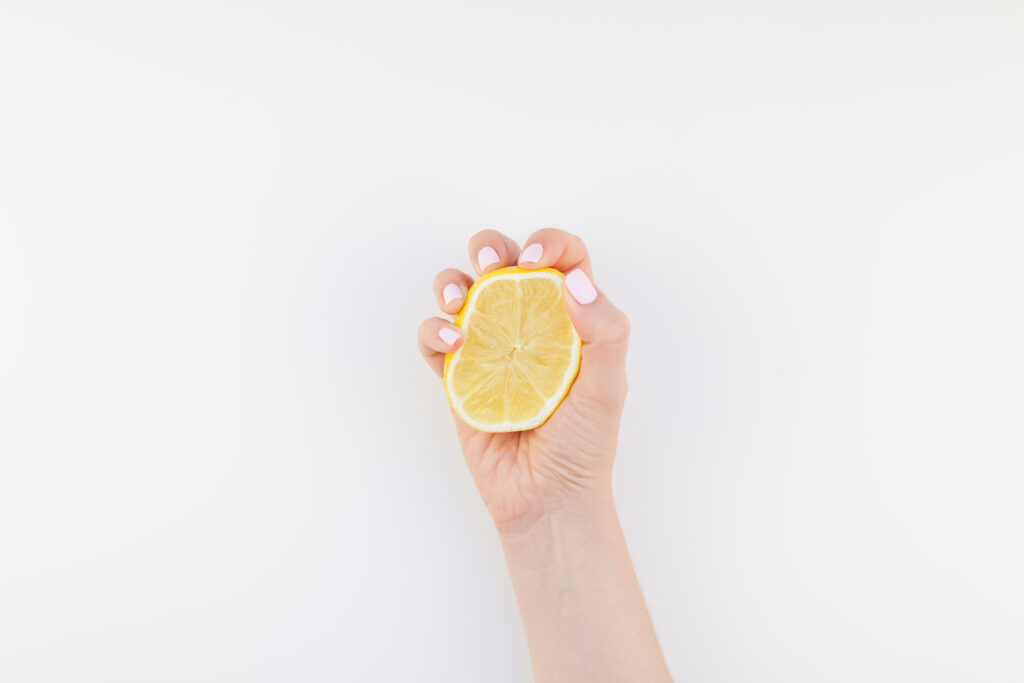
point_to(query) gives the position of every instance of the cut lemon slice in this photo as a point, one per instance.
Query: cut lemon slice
(520, 352)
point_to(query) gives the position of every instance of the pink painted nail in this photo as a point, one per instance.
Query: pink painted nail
(532, 254)
(451, 292)
(580, 287)
(486, 257)
(448, 335)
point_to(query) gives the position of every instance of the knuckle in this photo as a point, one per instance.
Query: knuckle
(619, 326)
(477, 240)
(552, 232)
(424, 328)
(446, 276)
(487, 235)
(550, 237)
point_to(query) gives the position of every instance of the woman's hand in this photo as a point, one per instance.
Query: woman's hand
(566, 462)
(549, 489)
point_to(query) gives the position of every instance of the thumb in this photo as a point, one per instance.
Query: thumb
(604, 330)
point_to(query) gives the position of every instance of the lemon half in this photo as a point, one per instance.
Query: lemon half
(520, 352)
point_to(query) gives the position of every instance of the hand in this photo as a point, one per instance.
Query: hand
(566, 462)
(549, 489)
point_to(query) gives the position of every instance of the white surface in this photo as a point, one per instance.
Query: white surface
(221, 458)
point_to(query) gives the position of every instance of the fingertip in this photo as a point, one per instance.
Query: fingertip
(486, 257)
(450, 336)
(532, 255)
(452, 293)
(451, 286)
(489, 250)
(580, 287)
(561, 250)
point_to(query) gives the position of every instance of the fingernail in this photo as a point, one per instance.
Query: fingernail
(451, 292)
(448, 335)
(531, 254)
(486, 257)
(580, 287)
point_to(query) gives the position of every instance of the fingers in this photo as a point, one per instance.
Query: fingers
(450, 287)
(489, 250)
(558, 249)
(436, 337)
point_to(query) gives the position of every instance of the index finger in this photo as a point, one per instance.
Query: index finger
(558, 249)
(491, 250)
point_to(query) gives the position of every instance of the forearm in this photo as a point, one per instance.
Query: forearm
(582, 608)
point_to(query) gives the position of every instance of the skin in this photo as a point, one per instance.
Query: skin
(549, 489)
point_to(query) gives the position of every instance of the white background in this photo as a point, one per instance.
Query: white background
(222, 459)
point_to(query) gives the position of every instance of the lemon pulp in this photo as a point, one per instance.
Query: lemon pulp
(520, 352)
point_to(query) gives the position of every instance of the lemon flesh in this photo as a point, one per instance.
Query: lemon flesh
(520, 352)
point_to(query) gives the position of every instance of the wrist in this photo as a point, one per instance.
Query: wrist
(559, 523)
(582, 607)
